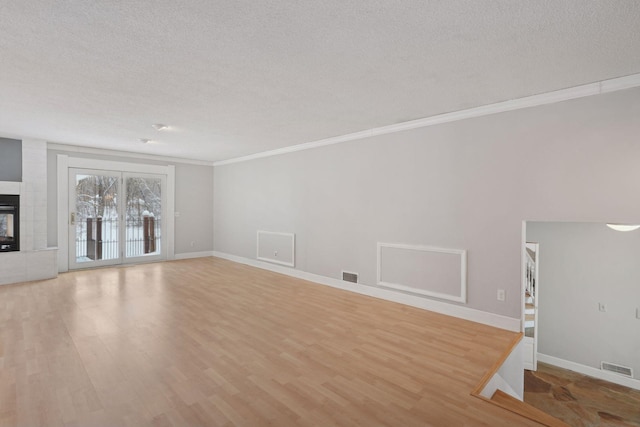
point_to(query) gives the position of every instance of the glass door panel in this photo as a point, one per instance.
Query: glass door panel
(143, 216)
(94, 223)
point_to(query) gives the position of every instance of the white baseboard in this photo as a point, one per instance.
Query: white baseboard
(188, 255)
(461, 312)
(588, 370)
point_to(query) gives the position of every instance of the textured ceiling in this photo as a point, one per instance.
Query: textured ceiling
(239, 77)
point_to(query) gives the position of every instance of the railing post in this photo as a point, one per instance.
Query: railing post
(145, 238)
(91, 244)
(99, 237)
(152, 233)
(149, 232)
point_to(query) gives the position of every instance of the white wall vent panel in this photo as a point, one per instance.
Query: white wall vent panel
(434, 272)
(276, 247)
(617, 369)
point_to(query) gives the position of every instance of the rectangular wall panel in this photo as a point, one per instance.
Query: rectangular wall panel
(434, 272)
(276, 247)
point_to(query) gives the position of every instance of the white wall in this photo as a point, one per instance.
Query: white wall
(193, 199)
(581, 265)
(465, 185)
(194, 202)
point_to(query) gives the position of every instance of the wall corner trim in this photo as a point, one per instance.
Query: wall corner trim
(466, 313)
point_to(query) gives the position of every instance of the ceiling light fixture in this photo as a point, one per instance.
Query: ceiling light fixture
(145, 140)
(623, 227)
(160, 126)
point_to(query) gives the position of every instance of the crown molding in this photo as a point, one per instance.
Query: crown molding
(582, 91)
(104, 152)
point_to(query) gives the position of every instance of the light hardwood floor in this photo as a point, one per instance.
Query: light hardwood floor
(211, 342)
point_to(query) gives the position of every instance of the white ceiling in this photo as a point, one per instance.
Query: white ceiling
(234, 78)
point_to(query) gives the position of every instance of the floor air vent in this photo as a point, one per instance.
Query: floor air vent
(350, 277)
(617, 369)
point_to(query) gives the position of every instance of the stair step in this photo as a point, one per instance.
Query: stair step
(502, 399)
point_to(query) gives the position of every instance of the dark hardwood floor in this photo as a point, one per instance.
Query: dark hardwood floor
(580, 400)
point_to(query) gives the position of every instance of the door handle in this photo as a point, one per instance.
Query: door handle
(73, 218)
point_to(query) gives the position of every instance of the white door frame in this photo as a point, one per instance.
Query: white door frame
(64, 162)
(530, 344)
(534, 340)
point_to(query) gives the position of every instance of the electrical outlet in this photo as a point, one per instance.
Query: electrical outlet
(602, 307)
(501, 295)
(637, 313)
(275, 253)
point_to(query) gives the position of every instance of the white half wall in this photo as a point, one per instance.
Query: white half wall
(465, 184)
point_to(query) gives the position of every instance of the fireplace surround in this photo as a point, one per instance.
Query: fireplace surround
(28, 256)
(9, 223)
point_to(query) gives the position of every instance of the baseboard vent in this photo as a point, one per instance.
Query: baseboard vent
(350, 277)
(617, 369)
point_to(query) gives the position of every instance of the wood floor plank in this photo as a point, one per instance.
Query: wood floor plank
(211, 342)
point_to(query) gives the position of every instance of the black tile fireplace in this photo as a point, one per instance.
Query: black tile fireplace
(9, 223)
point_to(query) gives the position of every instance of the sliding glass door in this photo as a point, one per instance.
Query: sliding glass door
(94, 218)
(143, 216)
(115, 217)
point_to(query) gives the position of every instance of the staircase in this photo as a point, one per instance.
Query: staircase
(529, 315)
(491, 386)
(505, 401)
